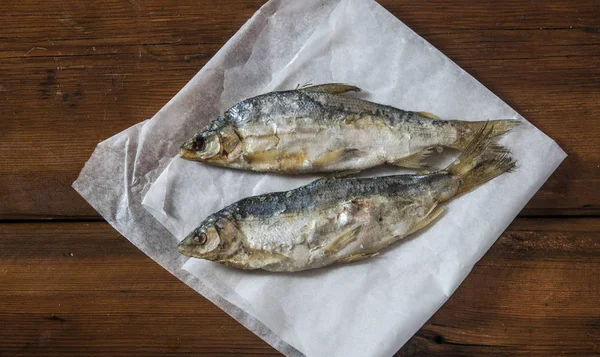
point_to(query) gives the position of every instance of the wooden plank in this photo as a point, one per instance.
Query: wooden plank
(74, 74)
(66, 288)
(73, 288)
(535, 293)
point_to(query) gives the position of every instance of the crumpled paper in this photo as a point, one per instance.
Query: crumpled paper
(365, 309)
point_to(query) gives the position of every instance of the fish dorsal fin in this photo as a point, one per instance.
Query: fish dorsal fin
(428, 115)
(332, 88)
(338, 175)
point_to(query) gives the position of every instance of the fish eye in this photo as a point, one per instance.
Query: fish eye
(199, 144)
(201, 239)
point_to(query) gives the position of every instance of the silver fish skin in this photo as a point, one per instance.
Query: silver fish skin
(338, 220)
(317, 129)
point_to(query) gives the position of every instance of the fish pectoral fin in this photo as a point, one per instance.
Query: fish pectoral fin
(266, 257)
(231, 143)
(256, 259)
(260, 259)
(347, 237)
(264, 156)
(335, 156)
(353, 258)
(428, 115)
(433, 214)
(416, 160)
(237, 264)
(333, 88)
(277, 160)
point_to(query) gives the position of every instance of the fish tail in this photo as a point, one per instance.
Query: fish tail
(481, 160)
(467, 130)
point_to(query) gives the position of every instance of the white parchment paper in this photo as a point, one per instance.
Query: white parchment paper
(365, 309)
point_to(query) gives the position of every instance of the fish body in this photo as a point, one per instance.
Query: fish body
(316, 129)
(338, 220)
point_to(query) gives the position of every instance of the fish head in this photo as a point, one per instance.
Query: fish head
(202, 147)
(216, 239)
(203, 242)
(219, 146)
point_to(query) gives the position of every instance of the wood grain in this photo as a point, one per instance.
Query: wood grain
(75, 73)
(72, 287)
(533, 294)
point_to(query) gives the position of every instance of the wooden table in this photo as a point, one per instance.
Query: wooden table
(73, 73)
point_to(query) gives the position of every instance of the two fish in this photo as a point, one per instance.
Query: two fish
(336, 219)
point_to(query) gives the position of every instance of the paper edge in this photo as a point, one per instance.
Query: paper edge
(239, 315)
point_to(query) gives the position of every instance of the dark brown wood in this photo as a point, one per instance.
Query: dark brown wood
(66, 288)
(535, 293)
(73, 74)
(72, 289)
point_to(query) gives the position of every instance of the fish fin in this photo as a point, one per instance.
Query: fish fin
(343, 240)
(481, 161)
(237, 264)
(333, 88)
(292, 162)
(305, 85)
(340, 174)
(279, 160)
(337, 175)
(334, 156)
(267, 258)
(264, 257)
(353, 258)
(231, 143)
(416, 160)
(428, 115)
(433, 214)
(468, 130)
(264, 156)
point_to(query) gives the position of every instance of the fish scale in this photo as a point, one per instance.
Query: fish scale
(317, 129)
(333, 220)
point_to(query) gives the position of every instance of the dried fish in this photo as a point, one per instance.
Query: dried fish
(317, 129)
(339, 219)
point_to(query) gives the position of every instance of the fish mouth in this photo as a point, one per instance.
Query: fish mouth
(186, 150)
(188, 154)
(185, 249)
